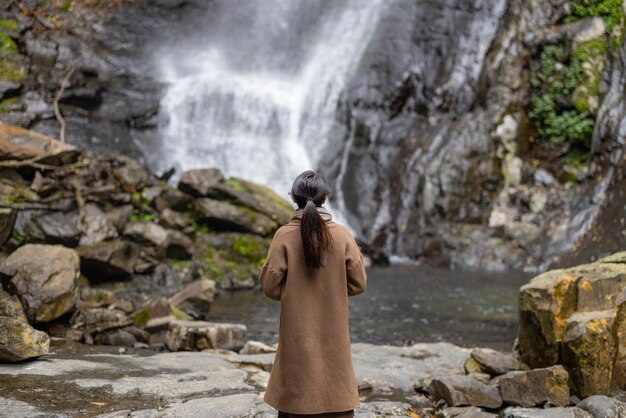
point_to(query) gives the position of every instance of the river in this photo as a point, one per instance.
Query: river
(405, 304)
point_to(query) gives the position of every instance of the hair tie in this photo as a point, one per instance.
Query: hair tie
(308, 198)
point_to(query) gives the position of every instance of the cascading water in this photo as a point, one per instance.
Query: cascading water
(255, 92)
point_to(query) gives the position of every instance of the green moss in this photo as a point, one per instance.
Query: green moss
(251, 249)
(178, 314)
(9, 24)
(609, 10)
(235, 185)
(7, 44)
(142, 217)
(9, 70)
(66, 6)
(4, 104)
(142, 316)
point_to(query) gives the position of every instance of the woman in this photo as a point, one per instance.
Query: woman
(313, 265)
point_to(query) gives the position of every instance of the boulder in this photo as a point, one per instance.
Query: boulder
(147, 233)
(179, 245)
(173, 199)
(200, 335)
(544, 304)
(224, 216)
(97, 227)
(465, 390)
(518, 412)
(232, 260)
(92, 320)
(199, 182)
(109, 259)
(129, 172)
(619, 371)
(20, 341)
(90, 297)
(574, 317)
(22, 144)
(494, 362)
(535, 387)
(172, 219)
(603, 407)
(195, 299)
(589, 351)
(11, 306)
(45, 278)
(158, 314)
(253, 195)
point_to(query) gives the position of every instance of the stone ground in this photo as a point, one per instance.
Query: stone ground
(99, 381)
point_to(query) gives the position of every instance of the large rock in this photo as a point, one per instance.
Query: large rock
(574, 317)
(231, 259)
(494, 362)
(518, 412)
(200, 335)
(91, 320)
(535, 387)
(11, 306)
(465, 390)
(589, 351)
(603, 407)
(224, 216)
(45, 278)
(19, 340)
(198, 182)
(109, 259)
(195, 299)
(619, 372)
(22, 144)
(253, 195)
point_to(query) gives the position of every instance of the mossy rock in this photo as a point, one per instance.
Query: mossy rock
(11, 70)
(232, 260)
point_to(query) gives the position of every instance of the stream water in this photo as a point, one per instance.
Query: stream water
(405, 304)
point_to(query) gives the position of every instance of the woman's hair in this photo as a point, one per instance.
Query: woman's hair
(309, 191)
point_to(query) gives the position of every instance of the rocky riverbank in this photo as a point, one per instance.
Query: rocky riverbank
(96, 249)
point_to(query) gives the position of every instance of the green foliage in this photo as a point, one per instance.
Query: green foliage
(559, 115)
(7, 44)
(609, 10)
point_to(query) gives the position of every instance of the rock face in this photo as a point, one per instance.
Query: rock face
(20, 341)
(575, 317)
(45, 278)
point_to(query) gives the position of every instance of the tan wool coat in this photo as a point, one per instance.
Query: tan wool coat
(313, 371)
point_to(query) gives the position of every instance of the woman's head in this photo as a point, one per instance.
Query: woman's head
(309, 186)
(309, 191)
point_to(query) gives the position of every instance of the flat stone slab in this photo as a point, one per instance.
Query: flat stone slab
(187, 384)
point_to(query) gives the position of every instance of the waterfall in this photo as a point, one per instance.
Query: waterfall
(255, 91)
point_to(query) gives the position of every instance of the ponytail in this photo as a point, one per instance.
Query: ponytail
(315, 237)
(309, 191)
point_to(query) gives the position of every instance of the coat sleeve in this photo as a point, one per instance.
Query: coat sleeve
(274, 270)
(355, 269)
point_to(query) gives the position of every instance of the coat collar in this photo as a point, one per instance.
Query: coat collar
(324, 213)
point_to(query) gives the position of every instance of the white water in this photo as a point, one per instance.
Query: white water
(256, 94)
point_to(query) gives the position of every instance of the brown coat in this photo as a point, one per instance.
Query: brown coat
(313, 371)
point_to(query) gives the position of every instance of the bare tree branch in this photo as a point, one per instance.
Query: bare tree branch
(57, 111)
